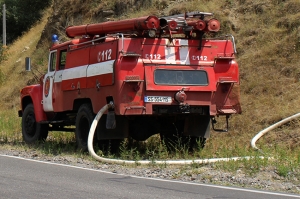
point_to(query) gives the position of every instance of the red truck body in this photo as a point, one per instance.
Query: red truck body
(161, 75)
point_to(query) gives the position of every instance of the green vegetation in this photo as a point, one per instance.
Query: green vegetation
(21, 15)
(268, 44)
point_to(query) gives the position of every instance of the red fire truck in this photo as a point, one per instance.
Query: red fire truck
(163, 75)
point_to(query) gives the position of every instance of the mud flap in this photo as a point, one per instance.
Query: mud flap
(111, 120)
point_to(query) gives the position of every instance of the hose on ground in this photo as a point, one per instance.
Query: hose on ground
(171, 162)
(263, 132)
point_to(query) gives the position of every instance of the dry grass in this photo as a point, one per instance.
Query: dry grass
(13, 68)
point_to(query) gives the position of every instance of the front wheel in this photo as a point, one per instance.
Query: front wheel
(31, 130)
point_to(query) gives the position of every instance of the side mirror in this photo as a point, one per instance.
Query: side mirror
(27, 64)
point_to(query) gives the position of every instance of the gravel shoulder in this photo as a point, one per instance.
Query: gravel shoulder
(265, 179)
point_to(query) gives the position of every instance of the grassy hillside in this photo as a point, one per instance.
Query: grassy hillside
(268, 44)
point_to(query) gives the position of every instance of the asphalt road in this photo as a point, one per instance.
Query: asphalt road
(24, 178)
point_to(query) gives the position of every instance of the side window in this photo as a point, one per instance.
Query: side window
(62, 60)
(52, 61)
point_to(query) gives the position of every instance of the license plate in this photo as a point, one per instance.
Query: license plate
(157, 99)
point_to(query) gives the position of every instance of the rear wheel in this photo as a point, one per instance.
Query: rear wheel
(140, 129)
(175, 142)
(174, 139)
(110, 146)
(31, 130)
(84, 119)
(194, 143)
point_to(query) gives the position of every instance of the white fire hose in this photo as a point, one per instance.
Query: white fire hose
(170, 162)
(261, 133)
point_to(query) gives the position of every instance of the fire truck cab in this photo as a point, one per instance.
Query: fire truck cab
(162, 75)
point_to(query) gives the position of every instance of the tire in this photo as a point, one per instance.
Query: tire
(32, 131)
(110, 146)
(175, 140)
(170, 136)
(84, 119)
(194, 143)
